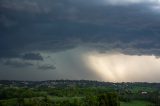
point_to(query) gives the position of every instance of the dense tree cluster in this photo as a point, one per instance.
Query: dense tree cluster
(78, 93)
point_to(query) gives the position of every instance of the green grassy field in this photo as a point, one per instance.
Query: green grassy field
(63, 98)
(135, 103)
(147, 89)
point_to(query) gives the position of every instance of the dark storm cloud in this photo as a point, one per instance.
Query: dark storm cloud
(58, 25)
(32, 56)
(17, 64)
(47, 67)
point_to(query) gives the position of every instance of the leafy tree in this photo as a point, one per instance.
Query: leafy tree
(109, 99)
(20, 101)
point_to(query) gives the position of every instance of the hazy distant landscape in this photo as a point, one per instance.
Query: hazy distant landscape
(78, 93)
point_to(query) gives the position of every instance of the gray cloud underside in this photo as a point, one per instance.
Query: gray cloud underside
(32, 56)
(54, 25)
(47, 67)
(17, 64)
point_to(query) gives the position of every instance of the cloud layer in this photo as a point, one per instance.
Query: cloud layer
(34, 31)
(38, 25)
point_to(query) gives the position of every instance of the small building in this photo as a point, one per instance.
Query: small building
(144, 93)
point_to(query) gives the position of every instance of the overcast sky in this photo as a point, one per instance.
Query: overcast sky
(105, 40)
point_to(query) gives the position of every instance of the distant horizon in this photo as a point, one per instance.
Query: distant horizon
(77, 80)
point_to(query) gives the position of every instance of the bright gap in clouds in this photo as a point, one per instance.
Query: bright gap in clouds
(152, 4)
(121, 2)
(120, 67)
(114, 2)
